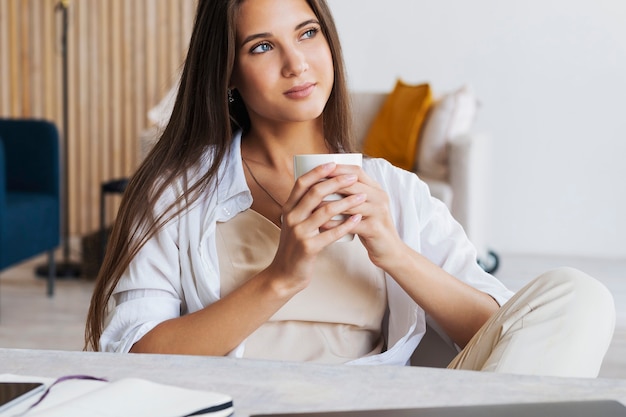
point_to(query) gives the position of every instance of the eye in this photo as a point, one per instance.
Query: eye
(310, 33)
(261, 48)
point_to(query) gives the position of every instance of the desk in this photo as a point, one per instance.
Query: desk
(262, 386)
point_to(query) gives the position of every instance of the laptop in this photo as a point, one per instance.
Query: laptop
(594, 408)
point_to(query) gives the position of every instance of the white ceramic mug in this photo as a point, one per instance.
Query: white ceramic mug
(304, 163)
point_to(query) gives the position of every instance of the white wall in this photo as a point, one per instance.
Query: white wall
(551, 76)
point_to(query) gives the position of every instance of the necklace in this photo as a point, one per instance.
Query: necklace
(261, 187)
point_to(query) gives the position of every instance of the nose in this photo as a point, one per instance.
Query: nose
(295, 62)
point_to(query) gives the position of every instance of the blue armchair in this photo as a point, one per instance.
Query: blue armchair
(29, 192)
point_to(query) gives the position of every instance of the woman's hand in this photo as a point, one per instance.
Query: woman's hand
(305, 215)
(376, 230)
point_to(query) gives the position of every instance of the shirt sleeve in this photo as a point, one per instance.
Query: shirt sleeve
(444, 242)
(148, 293)
(426, 224)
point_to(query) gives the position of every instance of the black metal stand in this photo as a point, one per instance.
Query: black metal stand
(110, 187)
(66, 268)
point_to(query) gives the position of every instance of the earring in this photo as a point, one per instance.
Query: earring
(231, 99)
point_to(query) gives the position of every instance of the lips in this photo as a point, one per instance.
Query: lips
(300, 91)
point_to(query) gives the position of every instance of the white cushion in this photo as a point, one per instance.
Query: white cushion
(451, 115)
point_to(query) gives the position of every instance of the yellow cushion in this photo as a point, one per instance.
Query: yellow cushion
(394, 132)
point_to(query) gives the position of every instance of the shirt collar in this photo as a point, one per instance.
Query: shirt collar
(231, 178)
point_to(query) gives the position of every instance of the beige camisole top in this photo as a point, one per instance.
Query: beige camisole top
(337, 318)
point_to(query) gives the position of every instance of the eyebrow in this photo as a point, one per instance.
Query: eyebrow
(269, 34)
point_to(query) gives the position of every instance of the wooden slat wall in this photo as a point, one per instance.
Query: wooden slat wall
(123, 57)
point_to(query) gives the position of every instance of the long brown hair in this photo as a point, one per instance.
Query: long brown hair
(201, 118)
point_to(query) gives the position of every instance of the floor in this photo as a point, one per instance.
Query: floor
(29, 319)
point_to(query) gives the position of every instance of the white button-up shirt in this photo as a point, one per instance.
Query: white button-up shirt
(177, 271)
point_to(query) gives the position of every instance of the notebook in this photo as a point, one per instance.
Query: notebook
(599, 408)
(76, 396)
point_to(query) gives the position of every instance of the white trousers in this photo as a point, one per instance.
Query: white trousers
(560, 324)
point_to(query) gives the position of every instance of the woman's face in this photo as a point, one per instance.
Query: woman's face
(283, 66)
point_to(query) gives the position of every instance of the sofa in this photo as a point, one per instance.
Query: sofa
(29, 192)
(460, 175)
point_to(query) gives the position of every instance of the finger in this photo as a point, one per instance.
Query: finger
(332, 212)
(304, 182)
(357, 170)
(316, 194)
(313, 225)
(313, 240)
(317, 174)
(342, 228)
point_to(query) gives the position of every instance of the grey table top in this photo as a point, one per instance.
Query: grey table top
(264, 386)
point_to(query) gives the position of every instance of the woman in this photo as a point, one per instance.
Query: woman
(216, 251)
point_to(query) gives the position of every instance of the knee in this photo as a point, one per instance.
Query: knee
(586, 299)
(584, 288)
(565, 319)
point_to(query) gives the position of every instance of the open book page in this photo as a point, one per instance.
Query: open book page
(123, 398)
(59, 394)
